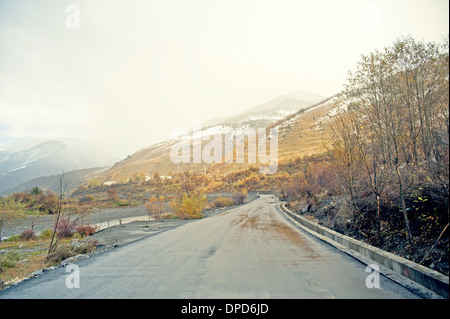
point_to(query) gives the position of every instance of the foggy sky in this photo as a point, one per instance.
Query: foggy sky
(135, 70)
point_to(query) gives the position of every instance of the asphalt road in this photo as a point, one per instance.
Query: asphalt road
(249, 252)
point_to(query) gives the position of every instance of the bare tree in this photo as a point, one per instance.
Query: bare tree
(344, 147)
(401, 125)
(65, 218)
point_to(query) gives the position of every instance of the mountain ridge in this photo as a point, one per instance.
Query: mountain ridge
(156, 158)
(45, 159)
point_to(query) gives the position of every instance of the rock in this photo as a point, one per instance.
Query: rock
(65, 262)
(305, 209)
(74, 241)
(38, 273)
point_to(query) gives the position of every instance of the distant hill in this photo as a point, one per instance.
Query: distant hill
(278, 112)
(74, 179)
(273, 110)
(48, 158)
(300, 117)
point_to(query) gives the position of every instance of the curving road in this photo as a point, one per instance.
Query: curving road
(252, 251)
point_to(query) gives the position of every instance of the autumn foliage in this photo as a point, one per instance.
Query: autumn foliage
(156, 207)
(189, 206)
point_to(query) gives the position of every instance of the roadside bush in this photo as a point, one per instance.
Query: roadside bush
(66, 251)
(86, 229)
(189, 207)
(60, 253)
(85, 248)
(222, 202)
(65, 228)
(28, 234)
(156, 207)
(9, 259)
(239, 197)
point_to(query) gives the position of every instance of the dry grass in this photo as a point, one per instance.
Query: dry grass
(25, 267)
(31, 254)
(306, 135)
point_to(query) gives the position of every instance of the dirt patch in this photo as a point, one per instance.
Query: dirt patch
(287, 232)
(126, 233)
(267, 222)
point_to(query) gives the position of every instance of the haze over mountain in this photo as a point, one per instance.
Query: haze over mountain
(23, 167)
(273, 110)
(48, 158)
(73, 178)
(277, 111)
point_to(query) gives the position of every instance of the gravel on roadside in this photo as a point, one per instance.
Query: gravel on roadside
(40, 223)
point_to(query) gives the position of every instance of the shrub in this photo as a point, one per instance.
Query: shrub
(9, 259)
(113, 194)
(156, 207)
(63, 252)
(122, 202)
(87, 198)
(223, 202)
(239, 197)
(65, 228)
(27, 234)
(47, 202)
(86, 229)
(60, 253)
(188, 207)
(11, 239)
(85, 248)
(36, 191)
(46, 234)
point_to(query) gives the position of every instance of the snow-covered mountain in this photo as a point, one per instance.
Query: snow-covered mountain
(274, 110)
(156, 158)
(47, 158)
(53, 157)
(10, 162)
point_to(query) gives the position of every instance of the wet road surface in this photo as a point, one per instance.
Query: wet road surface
(252, 251)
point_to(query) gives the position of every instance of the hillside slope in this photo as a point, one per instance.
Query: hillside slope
(302, 131)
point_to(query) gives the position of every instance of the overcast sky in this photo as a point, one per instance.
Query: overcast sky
(135, 70)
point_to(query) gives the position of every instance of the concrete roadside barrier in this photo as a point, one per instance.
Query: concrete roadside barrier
(426, 277)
